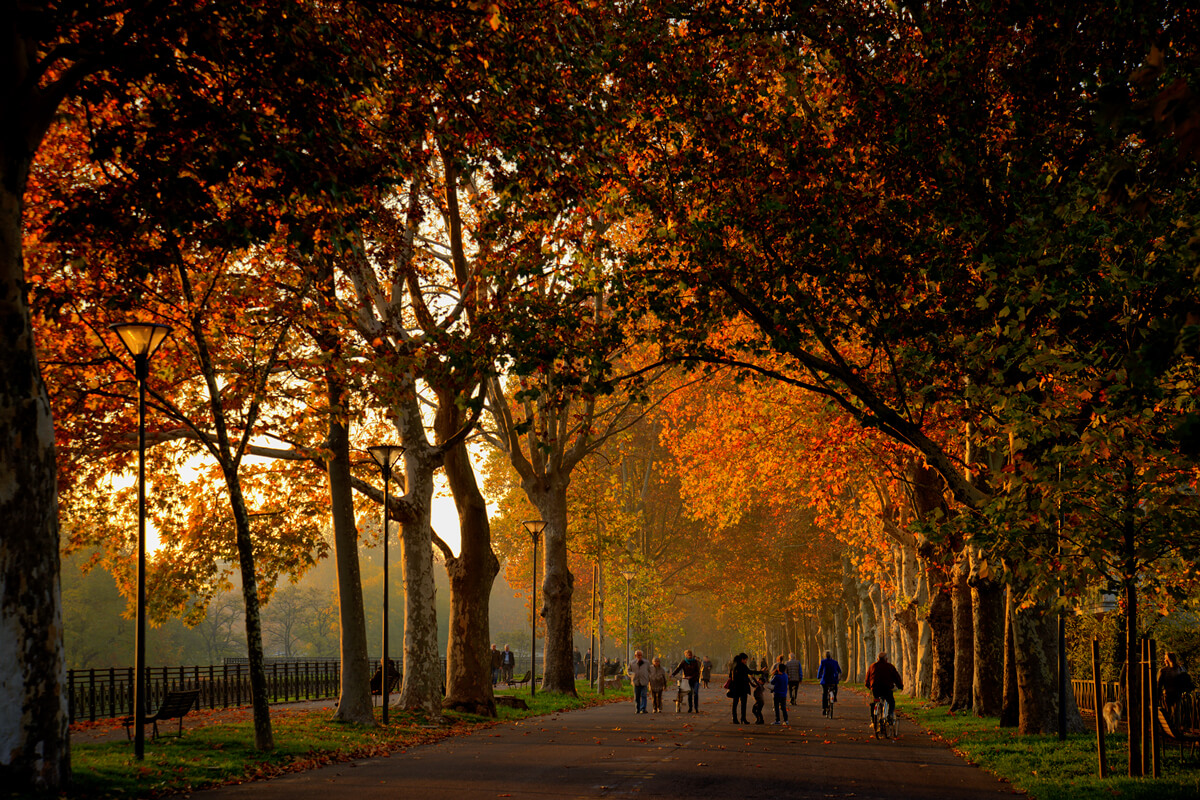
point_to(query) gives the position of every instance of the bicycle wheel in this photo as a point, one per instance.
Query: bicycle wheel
(891, 726)
(876, 722)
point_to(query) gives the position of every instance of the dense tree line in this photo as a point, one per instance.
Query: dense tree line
(840, 240)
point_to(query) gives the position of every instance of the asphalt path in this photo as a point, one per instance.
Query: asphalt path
(608, 751)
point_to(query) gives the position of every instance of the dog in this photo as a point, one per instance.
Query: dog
(1113, 712)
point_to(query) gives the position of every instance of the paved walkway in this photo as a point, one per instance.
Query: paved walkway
(608, 751)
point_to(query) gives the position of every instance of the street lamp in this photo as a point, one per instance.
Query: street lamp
(535, 528)
(386, 456)
(627, 574)
(141, 339)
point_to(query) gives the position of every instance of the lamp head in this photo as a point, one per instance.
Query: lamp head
(141, 339)
(535, 527)
(386, 456)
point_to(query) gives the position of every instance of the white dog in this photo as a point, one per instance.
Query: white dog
(1112, 715)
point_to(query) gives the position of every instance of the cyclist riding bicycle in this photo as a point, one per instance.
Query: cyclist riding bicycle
(828, 674)
(882, 679)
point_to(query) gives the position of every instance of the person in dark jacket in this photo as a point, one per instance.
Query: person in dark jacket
(690, 667)
(795, 674)
(739, 685)
(705, 671)
(495, 665)
(882, 679)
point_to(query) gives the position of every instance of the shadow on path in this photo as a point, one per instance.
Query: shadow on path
(608, 751)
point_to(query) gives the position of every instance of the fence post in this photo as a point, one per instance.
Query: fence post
(92, 693)
(1099, 707)
(1152, 681)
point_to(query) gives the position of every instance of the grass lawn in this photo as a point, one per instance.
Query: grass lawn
(223, 752)
(1052, 770)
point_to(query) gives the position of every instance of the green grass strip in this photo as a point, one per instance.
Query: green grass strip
(1049, 769)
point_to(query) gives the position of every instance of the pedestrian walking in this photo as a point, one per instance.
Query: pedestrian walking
(705, 672)
(658, 683)
(690, 667)
(508, 660)
(639, 676)
(779, 686)
(495, 665)
(760, 699)
(738, 685)
(795, 674)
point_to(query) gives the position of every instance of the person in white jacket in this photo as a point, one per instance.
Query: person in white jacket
(639, 676)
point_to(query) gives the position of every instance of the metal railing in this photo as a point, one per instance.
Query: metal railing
(99, 693)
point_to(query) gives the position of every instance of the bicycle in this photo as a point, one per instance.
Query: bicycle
(828, 698)
(884, 724)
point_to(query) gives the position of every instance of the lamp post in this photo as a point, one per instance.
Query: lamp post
(141, 339)
(386, 456)
(627, 574)
(535, 528)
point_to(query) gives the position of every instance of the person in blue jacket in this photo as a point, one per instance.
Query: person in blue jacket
(828, 674)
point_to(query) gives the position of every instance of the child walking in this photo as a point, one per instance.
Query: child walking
(779, 686)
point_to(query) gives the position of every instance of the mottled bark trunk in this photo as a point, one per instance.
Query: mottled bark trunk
(260, 700)
(870, 626)
(558, 586)
(468, 657)
(1034, 642)
(1010, 710)
(883, 642)
(941, 625)
(422, 686)
(925, 657)
(840, 636)
(964, 633)
(354, 699)
(987, 606)
(34, 755)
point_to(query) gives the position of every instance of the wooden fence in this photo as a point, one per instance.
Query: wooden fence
(1186, 714)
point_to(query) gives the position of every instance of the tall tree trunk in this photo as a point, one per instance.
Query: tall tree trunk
(422, 686)
(870, 626)
(1035, 634)
(468, 657)
(1010, 711)
(33, 719)
(840, 637)
(264, 738)
(964, 645)
(925, 656)
(987, 605)
(558, 586)
(354, 698)
(941, 625)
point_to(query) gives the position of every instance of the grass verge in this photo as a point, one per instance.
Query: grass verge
(1048, 769)
(223, 752)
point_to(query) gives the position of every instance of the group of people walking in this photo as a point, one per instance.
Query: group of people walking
(503, 662)
(651, 678)
(780, 683)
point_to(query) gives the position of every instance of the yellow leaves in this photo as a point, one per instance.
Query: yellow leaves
(493, 16)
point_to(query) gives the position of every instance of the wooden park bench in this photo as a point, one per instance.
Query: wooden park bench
(1171, 734)
(174, 706)
(524, 679)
